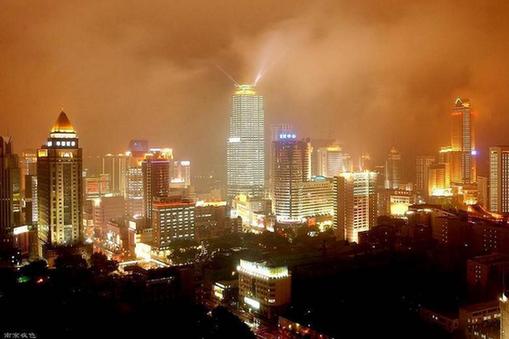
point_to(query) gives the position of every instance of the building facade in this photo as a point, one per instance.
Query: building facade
(171, 221)
(264, 289)
(355, 204)
(246, 144)
(59, 186)
(499, 179)
(10, 192)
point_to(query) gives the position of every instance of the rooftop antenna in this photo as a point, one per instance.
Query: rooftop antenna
(228, 75)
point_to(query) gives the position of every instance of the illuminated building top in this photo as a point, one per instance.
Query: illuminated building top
(462, 102)
(62, 134)
(245, 90)
(261, 270)
(62, 125)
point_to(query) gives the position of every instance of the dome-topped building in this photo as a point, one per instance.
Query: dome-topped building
(59, 180)
(62, 125)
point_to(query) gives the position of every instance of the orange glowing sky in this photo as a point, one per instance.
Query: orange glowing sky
(369, 73)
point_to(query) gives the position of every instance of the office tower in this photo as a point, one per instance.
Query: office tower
(264, 289)
(392, 169)
(499, 179)
(210, 220)
(277, 131)
(355, 205)
(291, 169)
(10, 195)
(246, 144)
(134, 191)
(181, 174)
(296, 194)
(482, 191)
(115, 165)
(137, 150)
(156, 180)
(504, 316)
(422, 164)
(172, 220)
(462, 141)
(438, 179)
(59, 186)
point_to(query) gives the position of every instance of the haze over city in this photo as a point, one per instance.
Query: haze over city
(369, 74)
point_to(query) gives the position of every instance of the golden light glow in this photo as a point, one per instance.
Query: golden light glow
(245, 90)
(62, 125)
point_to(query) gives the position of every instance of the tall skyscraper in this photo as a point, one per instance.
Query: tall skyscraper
(156, 180)
(10, 196)
(462, 140)
(422, 164)
(392, 169)
(291, 167)
(246, 144)
(355, 206)
(499, 179)
(297, 195)
(59, 186)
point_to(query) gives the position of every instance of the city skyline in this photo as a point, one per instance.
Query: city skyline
(240, 169)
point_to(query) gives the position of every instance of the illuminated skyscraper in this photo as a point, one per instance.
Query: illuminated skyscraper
(10, 196)
(462, 142)
(422, 164)
(392, 169)
(59, 186)
(499, 179)
(246, 144)
(156, 180)
(297, 195)
(291, 167)
(134, 191)
(355, 206)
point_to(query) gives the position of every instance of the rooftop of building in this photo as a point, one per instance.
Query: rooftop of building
(245, 89)
(173, 203)
(62, 124)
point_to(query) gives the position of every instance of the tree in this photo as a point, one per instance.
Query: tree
(227, 325)
(100, 264)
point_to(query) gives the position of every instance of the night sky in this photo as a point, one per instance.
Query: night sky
(369, 73)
